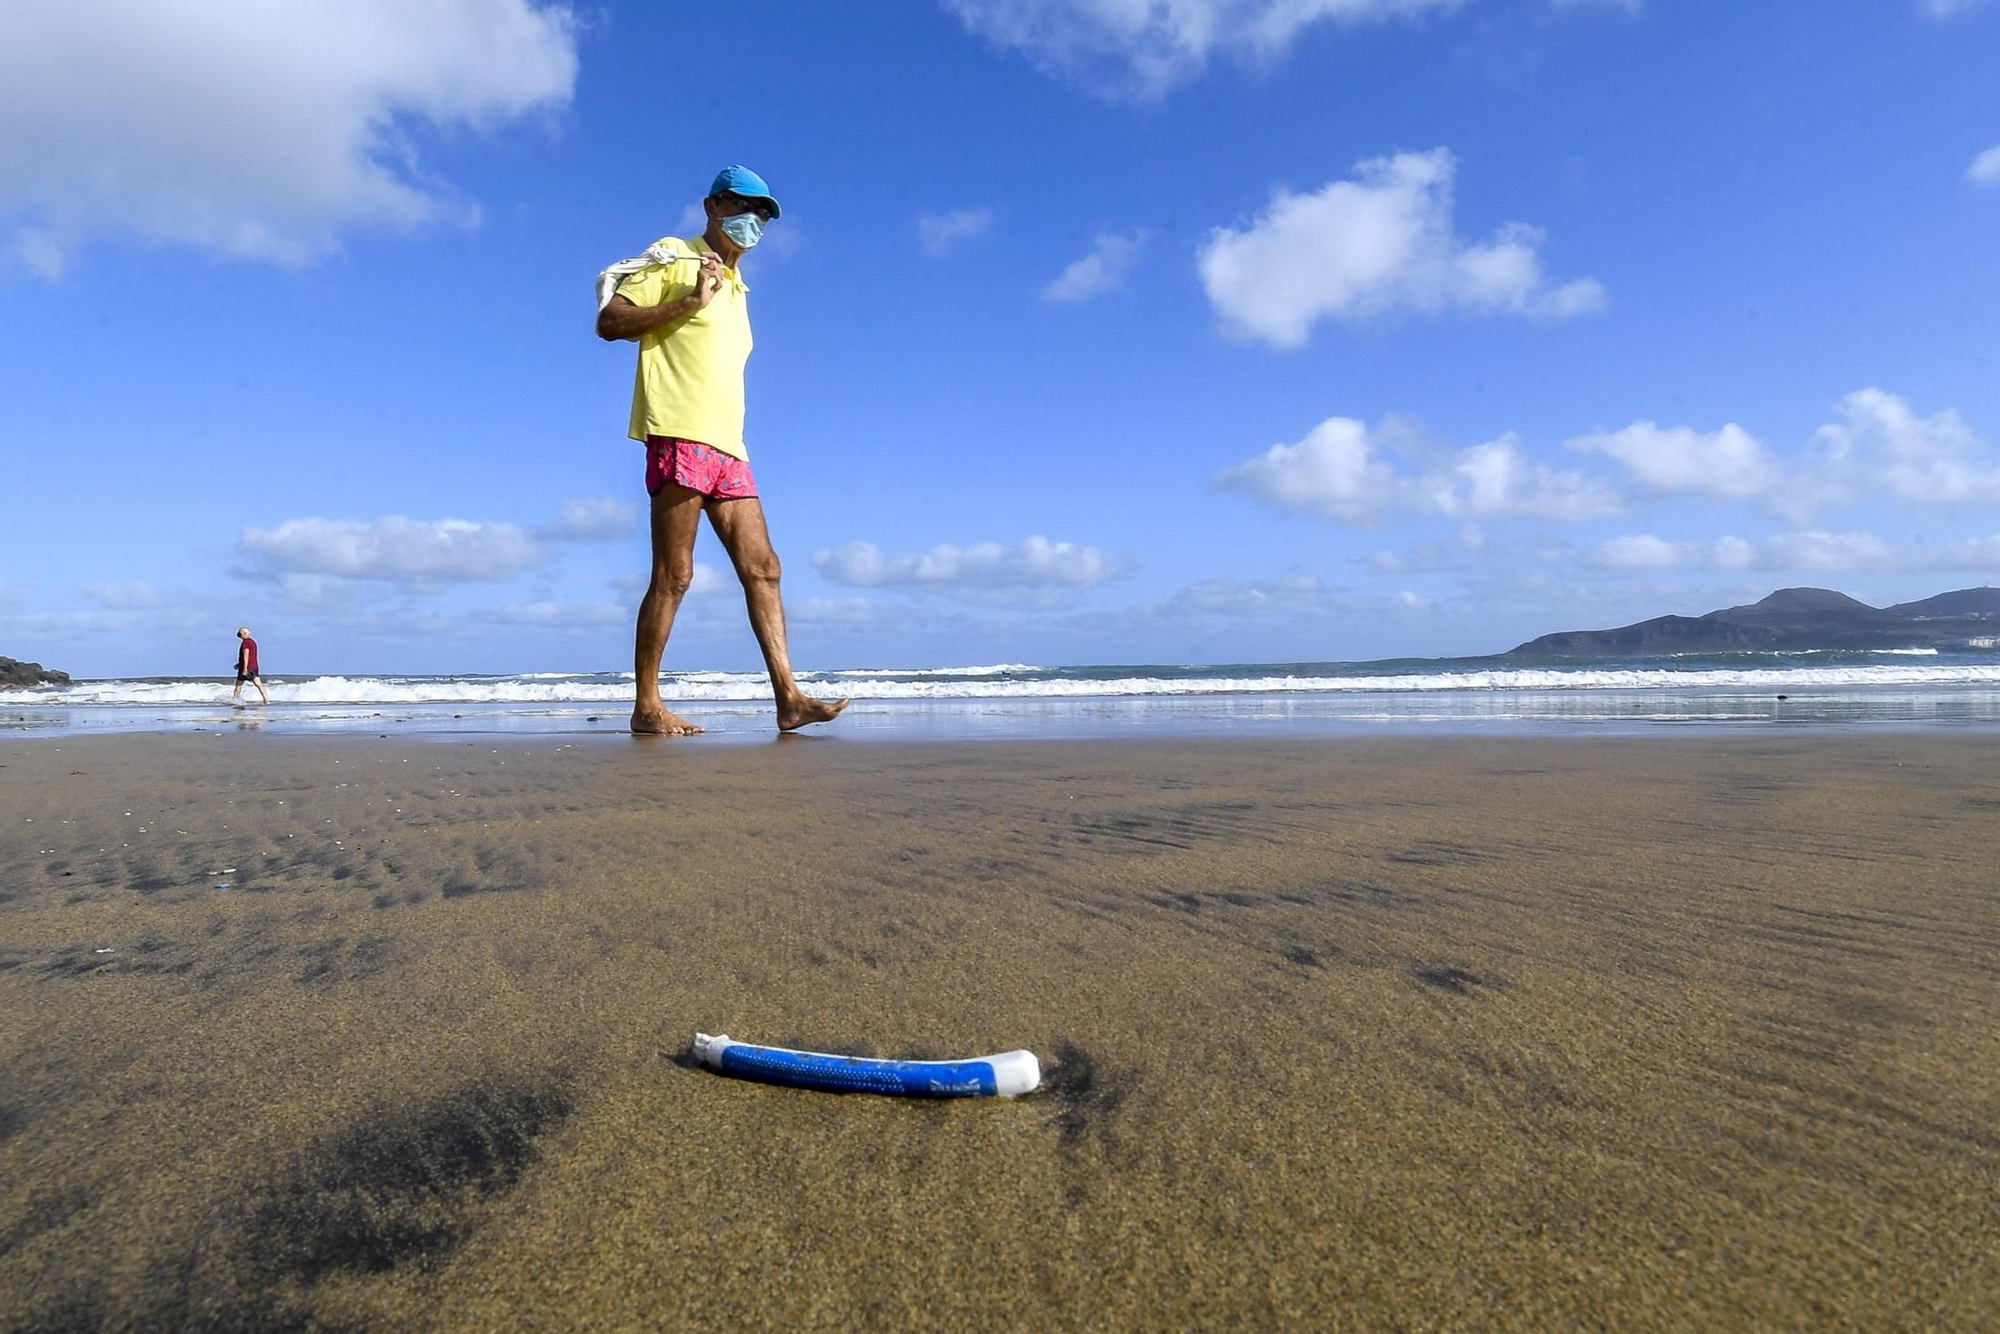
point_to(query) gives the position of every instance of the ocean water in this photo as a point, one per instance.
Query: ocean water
(1920, 688)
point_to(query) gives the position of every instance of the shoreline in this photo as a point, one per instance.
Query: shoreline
(1268, 715)
(1690, 1029)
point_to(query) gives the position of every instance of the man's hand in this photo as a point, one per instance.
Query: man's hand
(707, 280)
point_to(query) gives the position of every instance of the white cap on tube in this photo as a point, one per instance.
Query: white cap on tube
(1015, 1073)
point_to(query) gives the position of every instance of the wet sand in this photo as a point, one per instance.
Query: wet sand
(1659, 1033)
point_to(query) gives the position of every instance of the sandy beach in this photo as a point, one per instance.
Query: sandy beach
(1394, 1033)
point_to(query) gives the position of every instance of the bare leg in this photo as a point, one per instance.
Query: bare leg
(262, 693)
(676, 520)
(740, 525)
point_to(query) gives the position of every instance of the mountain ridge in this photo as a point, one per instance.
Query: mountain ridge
(1791, 620)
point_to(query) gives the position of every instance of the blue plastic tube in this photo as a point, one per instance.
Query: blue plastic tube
(1007, 1074)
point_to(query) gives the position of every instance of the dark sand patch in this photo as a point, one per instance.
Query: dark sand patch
(395, 1188)
(1636, 1034)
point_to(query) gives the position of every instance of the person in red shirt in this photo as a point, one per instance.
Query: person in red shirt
(246, 666)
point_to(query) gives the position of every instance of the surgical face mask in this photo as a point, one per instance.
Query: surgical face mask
(745, 229)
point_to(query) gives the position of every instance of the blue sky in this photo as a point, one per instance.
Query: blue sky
(1094, 330)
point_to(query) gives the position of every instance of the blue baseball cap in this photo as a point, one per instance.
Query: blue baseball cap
(741, 180)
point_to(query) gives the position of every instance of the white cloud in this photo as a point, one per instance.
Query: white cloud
(1381, 242)
(394, 549)
(1288, 596)
(940, 233)
(1985, 169)
(1142, 48)
(1420, 558)
(339, 598)
(1101, 270)
(1949, 9)
(1496, 480)
(1640, 551)
(838, 613)
(254, 129)
(1337, 470)
(598, 520)
(124, 597)
(1342, 470)
(552, 614)
(1729, 464)
(1363, 476)
(1643, 551)
(315, 558)
(1731, 553)
(1225, 604)
(1879, 447)
(138, 612)
(1933, 460)
(1033, 563)
(1828, 551)
(1805, 550)
(1980, 554)
(31, 631)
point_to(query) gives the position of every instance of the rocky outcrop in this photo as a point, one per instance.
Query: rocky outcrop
(1790, 620)
(20, 675)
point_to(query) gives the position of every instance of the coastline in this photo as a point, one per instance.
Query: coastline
(1903, 688)
(1683, 1029)
(1258, 715)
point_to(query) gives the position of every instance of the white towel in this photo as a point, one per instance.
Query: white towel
(666, 250)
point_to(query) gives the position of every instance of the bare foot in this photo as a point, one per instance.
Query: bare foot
(659, 722)
(805, 710)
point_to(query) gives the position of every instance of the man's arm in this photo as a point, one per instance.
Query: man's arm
(622, 318)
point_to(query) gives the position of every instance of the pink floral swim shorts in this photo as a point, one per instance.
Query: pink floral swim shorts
(697, 467)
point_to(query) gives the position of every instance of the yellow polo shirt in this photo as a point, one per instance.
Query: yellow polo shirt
(690, 378)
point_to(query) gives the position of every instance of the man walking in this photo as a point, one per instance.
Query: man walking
(690, 315)
(246, 667)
